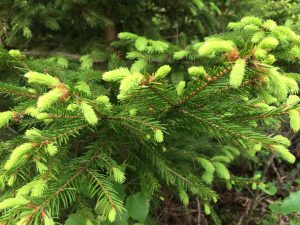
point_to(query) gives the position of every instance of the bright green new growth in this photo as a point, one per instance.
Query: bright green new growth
(32, 111)
(207, 209)
(180, 54)
(291, 84)
(162, 72)
(33, 133)
(47, 100)
(210, 48)
(42, 116)
(251, 27)
(16, 155)
(5, 118)
(209, 168)
(292, 100)
(83, 87)
(294, 120)
(159, 136)
(277, 84)
(63, 62)
(128, 84)
(41, 168)
(72, 107)
(15, 53)
(257, 37)
(133, 112)
(237, 73)
(246, 21)
(51, 149)
(89, 113)
(180, 87)
(294, 53)
(221, 170)
(119, 175)
(127, 36)
(270, 59)
(269, 24)
(86, 62)
(141, 43)
(40, 78)
(282, 140)
(34, 189)
(39, 188)
(13, 202)
(268, 43)
(262, 105)
(48, 221)
(260, 53)
(184, 197)
(196, 71)
(206, 164)
(116, 75)
(284, 153)
(208, 176)
(112, 215)
(22, 221)
(105, 101)
(25, 190)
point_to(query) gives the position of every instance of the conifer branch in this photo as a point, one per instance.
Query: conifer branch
(173, 125)
(61, 188)
(72, 56)
(103, 188)
(157, 91)
(200, 88)
(219, 127)
(8, 89)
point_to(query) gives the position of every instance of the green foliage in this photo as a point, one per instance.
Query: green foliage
(5, 117)
(180, 87)
(17, 155)
(13, 202)
(81, 217)
(184, 197)
(237, 73)
(210, 48)
(89, 113)
(137, 206)
(287, 205)
(116, 75)
(159, 136)
(162, 72)
(86, 62)
(160, 115)
(294, 120)
(47, 100)
(196, 71)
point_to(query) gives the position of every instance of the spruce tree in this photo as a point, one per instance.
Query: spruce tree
(88, 144)
(27, 23)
